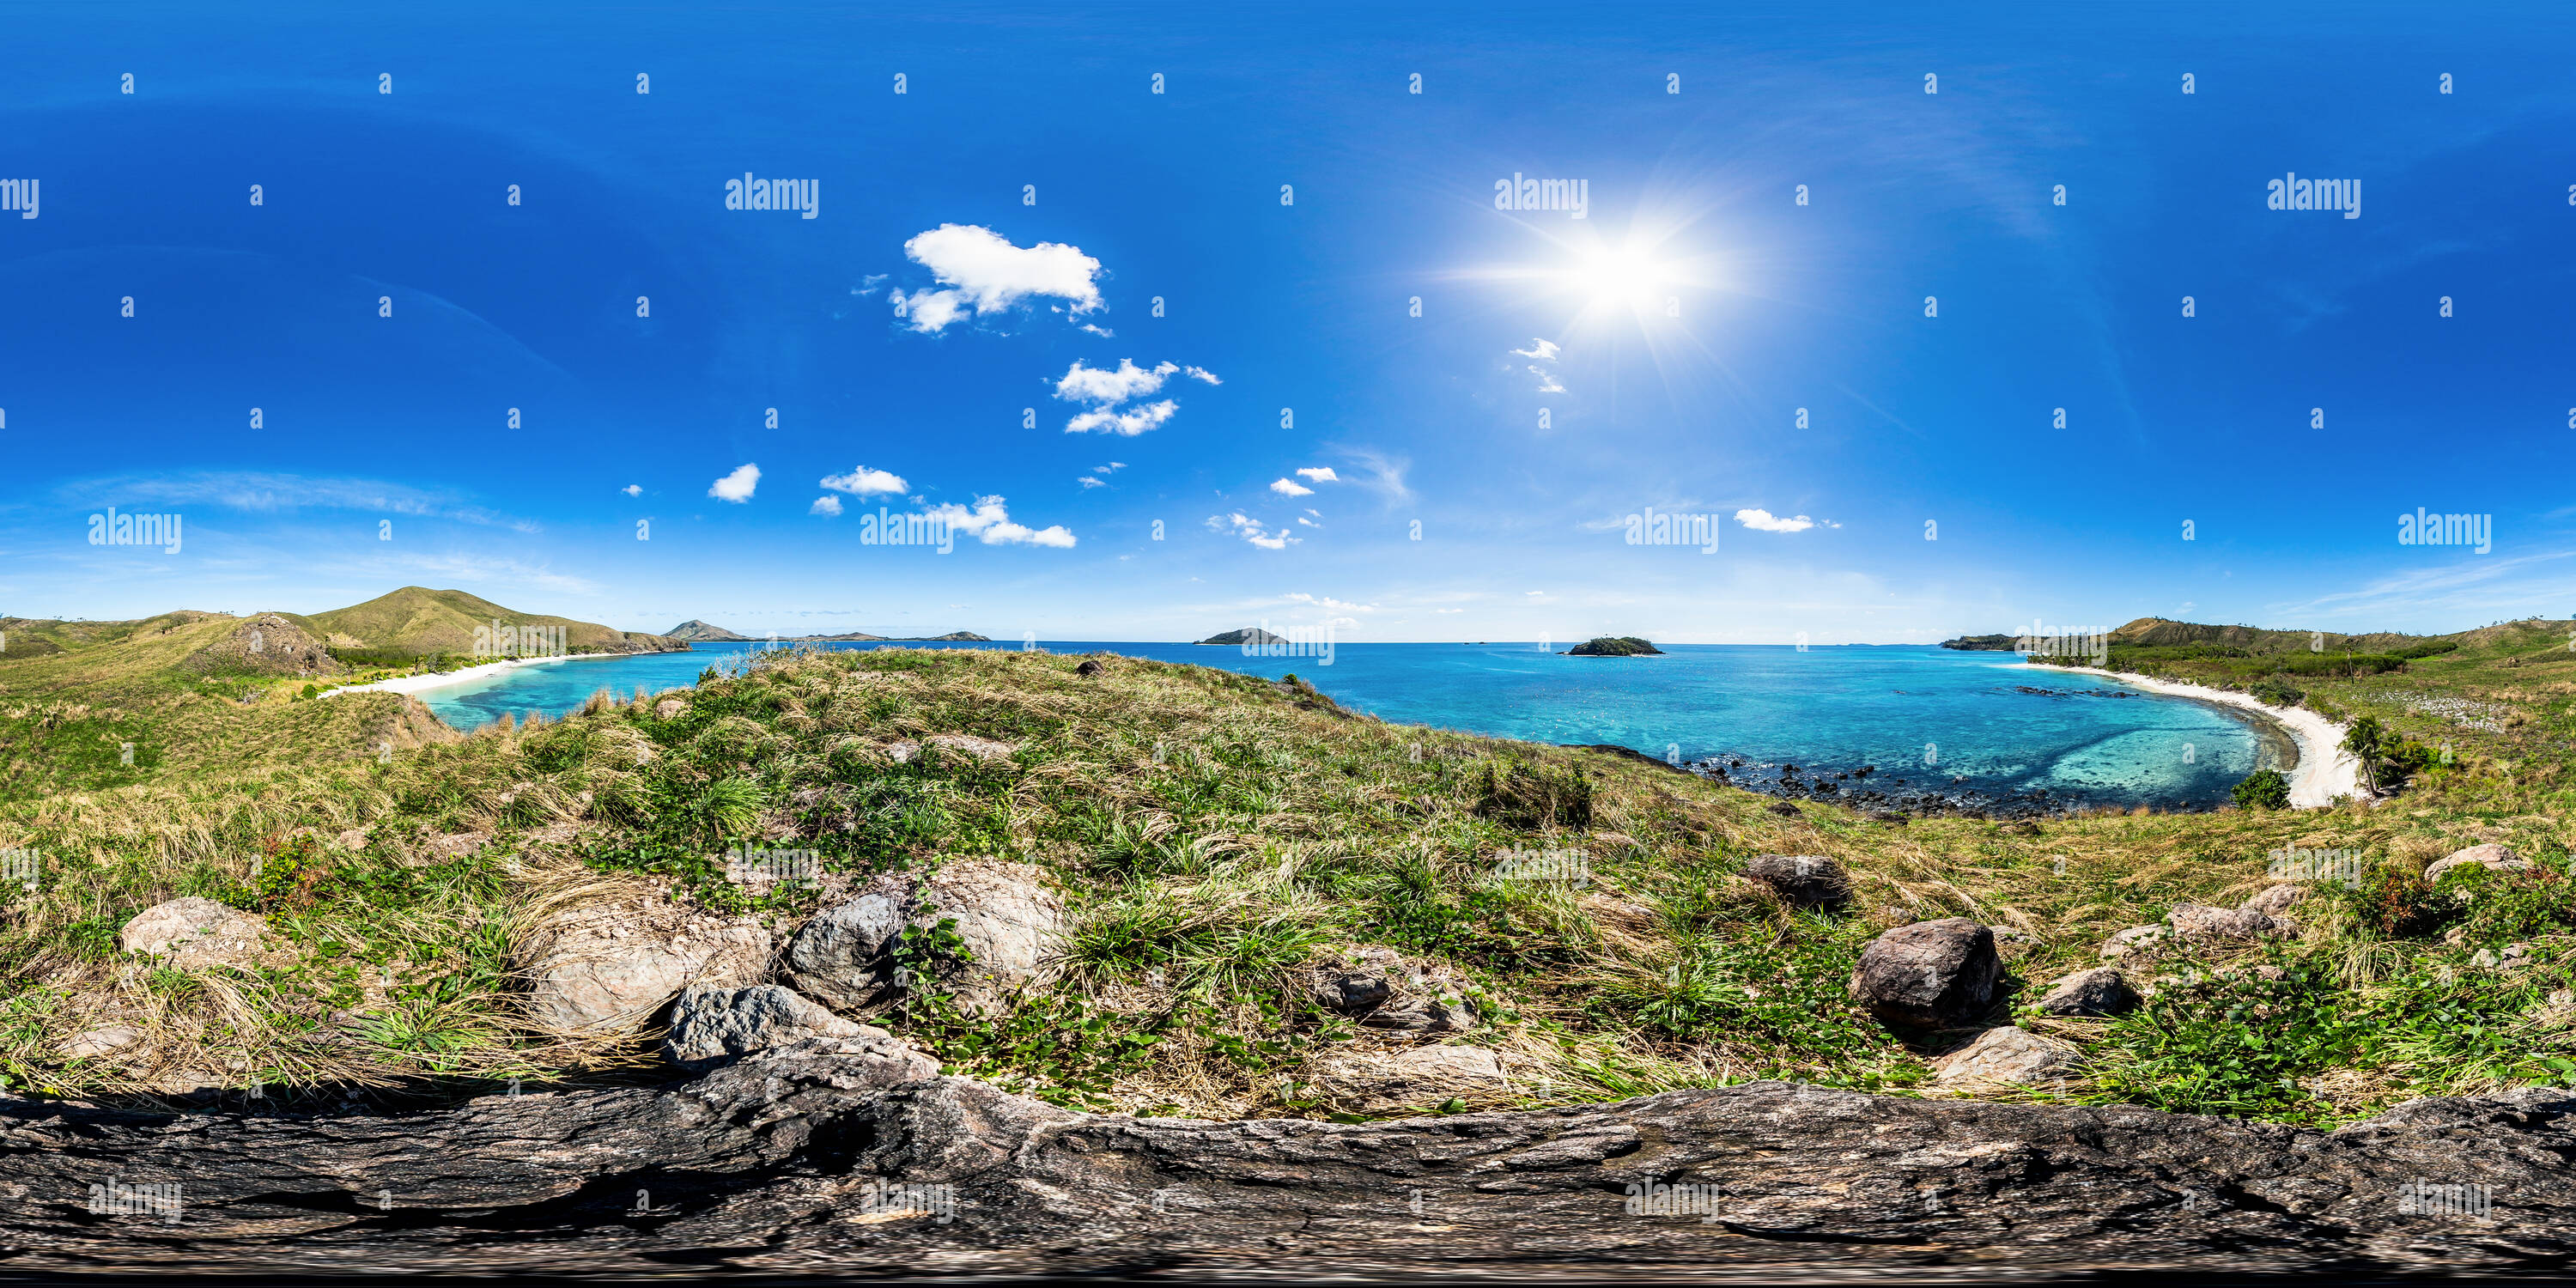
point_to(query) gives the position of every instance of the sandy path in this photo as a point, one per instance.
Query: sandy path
(2325, 770)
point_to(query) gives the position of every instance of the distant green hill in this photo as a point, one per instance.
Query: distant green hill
(694, 631)
(418, 622)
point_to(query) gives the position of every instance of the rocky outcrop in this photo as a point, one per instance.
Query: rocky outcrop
(196, 934)
(1416, 1079)
(712, 1025)
(607, 967)
(1801, 880)
(811, 1160)
(2494, 858)
(2008, 1055)
(2101, 991)
(1929, 975)
(1384, 989)
(2198, 923)
(1007, 919)
(267, 644)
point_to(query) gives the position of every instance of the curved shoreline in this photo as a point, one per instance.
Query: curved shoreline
(2324, 771)
(444, 679)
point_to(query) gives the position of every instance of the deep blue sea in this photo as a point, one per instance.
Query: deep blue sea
(1970, 726)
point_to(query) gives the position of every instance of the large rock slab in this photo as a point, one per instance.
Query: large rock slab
(1417, 1078)
(2008, 1055)
(606, 967)
(1929, 975)
(712, 1025)
(1007, 918)
(810, 1160)
(196, 934)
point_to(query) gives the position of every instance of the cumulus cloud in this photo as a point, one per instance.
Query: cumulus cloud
(1765, 521)
(863, 481)
(1543, 350)
(1127, 380)
(633, 489)
(736, 487)
(825, 505)
(1107, 387)
(1127, 423)
(980, 271)
(1289, 487)
(1319, 474)
(990, 522)
(1088, 480)
(1251, 530)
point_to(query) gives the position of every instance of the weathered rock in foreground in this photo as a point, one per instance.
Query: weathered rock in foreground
(195, 934)
(2100, 991)
(712, 1025)
(811, 1160)
(607, 967)
(1801, 880)
(1007, 919)
(2494, 858)
(2008, 1055)
(1929, 975)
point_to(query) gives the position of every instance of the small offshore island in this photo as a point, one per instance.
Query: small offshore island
(1614, 646)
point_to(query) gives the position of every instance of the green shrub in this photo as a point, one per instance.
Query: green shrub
(2234, 1045)
(2262, 789)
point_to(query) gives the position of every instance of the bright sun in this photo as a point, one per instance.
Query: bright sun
(1621, 275)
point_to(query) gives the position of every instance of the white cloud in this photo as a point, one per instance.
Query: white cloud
(1547, 381)
(1101, 331)
(1107, 387)
(1128, 423)
(984, 272)
(1251, 530)
(736, 487)
(1201, 373)
(1329, 603)
(1090, 481)
(825, 505)
(1303, 521)
(863, 481)
(1288, 487)
(1765, 521)
(990, 523)
(1543, 350)
(1319, 474)
(633, 489)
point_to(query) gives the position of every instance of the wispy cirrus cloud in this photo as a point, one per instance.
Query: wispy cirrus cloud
(270, 493)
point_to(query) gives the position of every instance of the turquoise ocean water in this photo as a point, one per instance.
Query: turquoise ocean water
(1967, 727)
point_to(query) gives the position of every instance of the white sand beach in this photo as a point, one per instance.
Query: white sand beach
(424, 683)
(2325, 770)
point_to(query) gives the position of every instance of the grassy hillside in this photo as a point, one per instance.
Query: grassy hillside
(418, 622)
(1215, 836)
(92, 705)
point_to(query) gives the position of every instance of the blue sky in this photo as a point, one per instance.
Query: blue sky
(1032, 196)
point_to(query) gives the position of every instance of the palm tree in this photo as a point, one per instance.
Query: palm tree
(2367, 741)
